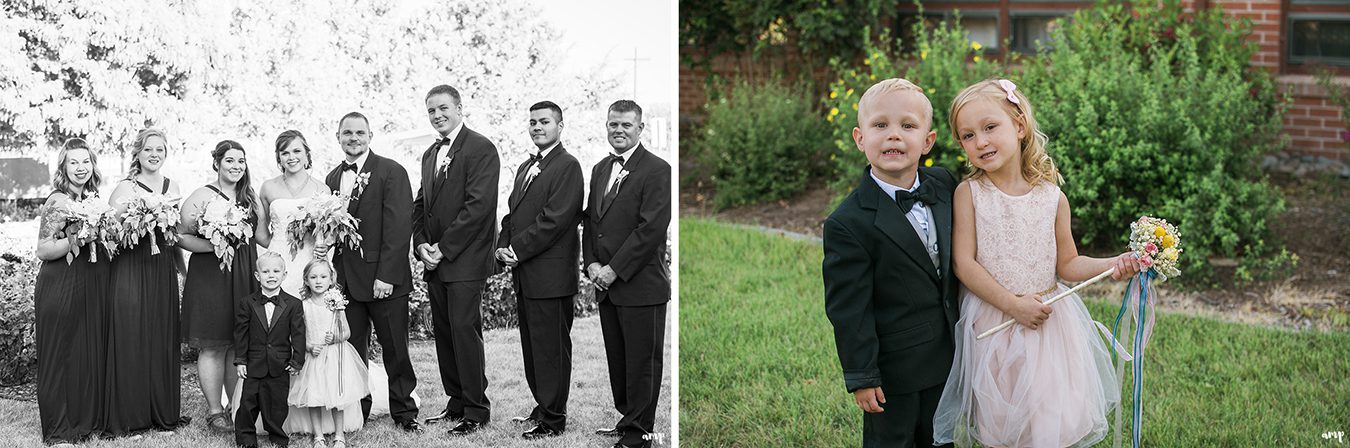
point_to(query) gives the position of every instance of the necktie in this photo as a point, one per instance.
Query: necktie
(924, 193)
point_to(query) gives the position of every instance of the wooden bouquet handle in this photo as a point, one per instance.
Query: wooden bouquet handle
(1051, 301)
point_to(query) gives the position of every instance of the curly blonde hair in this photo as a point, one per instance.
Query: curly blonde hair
(305, 292)
(1037, 166)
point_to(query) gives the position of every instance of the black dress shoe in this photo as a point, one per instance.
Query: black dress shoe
(444, 416)
(539, 432)
(525, 421)
(609, 432)
(465, 427)
(408, 425)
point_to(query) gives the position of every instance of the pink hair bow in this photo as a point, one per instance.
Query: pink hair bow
(1009, 87)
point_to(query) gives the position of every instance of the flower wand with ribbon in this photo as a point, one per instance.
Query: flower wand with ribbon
(1157, 244)
(336, 303)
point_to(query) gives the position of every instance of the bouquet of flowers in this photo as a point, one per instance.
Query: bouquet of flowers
(333, 299)
(224, 224)
(324, 217)
(1158, 245)
(150, 214)
(93, 221)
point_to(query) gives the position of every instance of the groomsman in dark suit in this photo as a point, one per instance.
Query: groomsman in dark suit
(540, 242)
(377, 278)
(624, 250)
(454, 231)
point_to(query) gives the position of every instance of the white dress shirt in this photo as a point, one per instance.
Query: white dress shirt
(614, 173)
(348, 177)
(918, 211)
(444, 150)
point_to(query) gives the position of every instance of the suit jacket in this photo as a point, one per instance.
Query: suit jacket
(274, 346)
(541, 226)
(457, 212)
(893, 314)
(629, 236)
(384, 207)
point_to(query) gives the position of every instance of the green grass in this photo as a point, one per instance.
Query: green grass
(759, 368)
(589, 406)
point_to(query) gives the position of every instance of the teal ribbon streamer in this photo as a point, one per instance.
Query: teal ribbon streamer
(1144, 282)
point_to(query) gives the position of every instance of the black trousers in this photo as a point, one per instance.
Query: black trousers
(389, 317)
(907, 422)
(457, 320)
(634, 342)
(268, 396)
(546, 343)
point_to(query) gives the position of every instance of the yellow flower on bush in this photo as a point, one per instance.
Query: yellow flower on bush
(848, 92)
(867, 61)
(977, 59)
(931, 90)
(923, 54)
(833, 94)
(975, 45)
(928, 162)
(855, 106)
(834, 111)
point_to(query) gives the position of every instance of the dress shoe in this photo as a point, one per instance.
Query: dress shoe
(609, 432)
(525, 421)
(539, 432)
(465, 427)
(445, 415)
(408, 425)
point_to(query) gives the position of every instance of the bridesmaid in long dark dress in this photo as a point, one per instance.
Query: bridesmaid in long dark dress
(209, 294)
(70, 298)
(143, 356)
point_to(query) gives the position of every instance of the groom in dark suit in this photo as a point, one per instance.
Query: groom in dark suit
(377, 278)
(889, 288)
(624, 250)
(454, 232)
(539, 242)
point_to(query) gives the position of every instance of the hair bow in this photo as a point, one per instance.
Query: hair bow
(1009, 87)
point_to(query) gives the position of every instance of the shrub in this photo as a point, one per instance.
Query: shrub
(498, 307)
(1151, 110)
(760, 143)
(940, 60)
(18, 343)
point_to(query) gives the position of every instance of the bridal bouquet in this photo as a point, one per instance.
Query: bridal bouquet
(324, 217)
(150, 214)
(94, 222)
(224, 224)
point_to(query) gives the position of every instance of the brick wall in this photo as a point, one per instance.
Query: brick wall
(1313, 123)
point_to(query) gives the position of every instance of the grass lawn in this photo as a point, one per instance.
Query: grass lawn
(759, 366)
(590, 405)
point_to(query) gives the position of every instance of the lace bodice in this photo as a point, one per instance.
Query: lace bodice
(1015, 235)
(318, 320)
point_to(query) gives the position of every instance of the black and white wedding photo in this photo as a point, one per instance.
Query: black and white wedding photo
(361, 223)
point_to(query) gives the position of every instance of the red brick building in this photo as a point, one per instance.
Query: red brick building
(1293, 36)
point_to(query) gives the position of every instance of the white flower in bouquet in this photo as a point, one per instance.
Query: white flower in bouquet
(152, 215)
(324, 217)
(1157, 244)
(94, 224)
(224, 224)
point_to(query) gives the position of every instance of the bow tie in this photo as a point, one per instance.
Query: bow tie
(614, 158)
(442, 142)
(349, 167)
(536, 157)
(275, 300)
(924, 193)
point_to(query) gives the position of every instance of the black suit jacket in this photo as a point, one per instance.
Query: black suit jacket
(630, 235)
(271, 348)
(458, 212)
(541, 226)
(893, 314)
(384, 208)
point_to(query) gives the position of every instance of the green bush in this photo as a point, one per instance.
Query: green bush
(18, 343)
(760, 143)
(940, 60)
(1152, 111)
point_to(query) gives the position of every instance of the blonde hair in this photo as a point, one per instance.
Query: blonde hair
(138, 145)
(1037, 166)
(305, 292)
(891, 85)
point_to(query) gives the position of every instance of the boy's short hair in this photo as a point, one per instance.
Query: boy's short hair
(889, 86)
(268, 255)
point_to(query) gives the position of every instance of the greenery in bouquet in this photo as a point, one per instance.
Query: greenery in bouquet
(94, 222)
(150, 215)
(225, 225)
(324, 217)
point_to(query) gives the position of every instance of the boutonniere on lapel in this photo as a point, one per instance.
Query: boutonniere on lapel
(618, 181)
(362, 180)
(534, 171)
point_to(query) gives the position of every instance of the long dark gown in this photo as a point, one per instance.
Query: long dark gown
(70, 301)
(143, 355)
(209, 293)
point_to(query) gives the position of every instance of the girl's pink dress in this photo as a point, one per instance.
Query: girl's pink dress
(335, 379)
(1050, 387)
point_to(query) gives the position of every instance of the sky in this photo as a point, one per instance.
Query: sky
(609, 31)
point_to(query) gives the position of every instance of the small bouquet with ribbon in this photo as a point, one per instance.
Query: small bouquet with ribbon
(225, 224)
(324, 217)
(92, 220)
(1157, 245)
(333, 299)
(153, 215)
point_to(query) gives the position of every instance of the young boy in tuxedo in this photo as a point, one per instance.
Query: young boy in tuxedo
(889, 290)
(269, 345)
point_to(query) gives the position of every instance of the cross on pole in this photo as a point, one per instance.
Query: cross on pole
(635, 61)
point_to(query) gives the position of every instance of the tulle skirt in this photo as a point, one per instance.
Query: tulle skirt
(1049, 387)
(334, 379)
